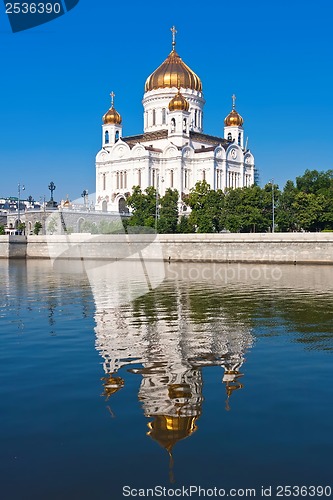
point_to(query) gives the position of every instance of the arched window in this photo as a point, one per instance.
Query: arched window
(125, 179)
(171, 178)
(122, 205)
(117, 176)
(229, 137)
(163, 116)
(239, 138)
(139, 177)
(195, 117)
(173, 125)
(153, 177)
(104, 206)
(204, 175)
(104, 182)
(117, 135)
(106, 137)
(154, 117)
(184, 125)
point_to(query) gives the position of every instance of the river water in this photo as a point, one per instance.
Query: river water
(218, 376)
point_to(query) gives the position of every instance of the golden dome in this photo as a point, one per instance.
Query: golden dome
(112, 116)
(233, 119)
(178, 103)
(173, 72)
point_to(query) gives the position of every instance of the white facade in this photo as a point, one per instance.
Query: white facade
(173, 152)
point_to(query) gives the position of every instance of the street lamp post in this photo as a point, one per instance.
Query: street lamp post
(273, 206)
(85, 197)
(157, 211)
(18, 202)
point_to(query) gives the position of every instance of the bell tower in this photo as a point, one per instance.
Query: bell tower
(112, 129)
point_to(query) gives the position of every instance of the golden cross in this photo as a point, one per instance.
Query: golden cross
(174, 31)
(233, 101)
(112, 97)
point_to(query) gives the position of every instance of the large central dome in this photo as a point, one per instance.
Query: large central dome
(173, 72)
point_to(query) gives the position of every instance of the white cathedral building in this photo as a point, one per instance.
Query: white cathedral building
(173, 151)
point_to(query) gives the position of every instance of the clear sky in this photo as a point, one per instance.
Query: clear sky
(276, 56)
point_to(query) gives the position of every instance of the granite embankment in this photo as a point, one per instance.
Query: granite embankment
(296, 248)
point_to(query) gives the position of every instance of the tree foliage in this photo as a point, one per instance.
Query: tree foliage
(306, 205)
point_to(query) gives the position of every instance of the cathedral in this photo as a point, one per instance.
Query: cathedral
(173, 151)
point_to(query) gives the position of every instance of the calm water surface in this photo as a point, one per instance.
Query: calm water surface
(221, 376)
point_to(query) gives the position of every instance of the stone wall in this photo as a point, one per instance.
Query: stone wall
(311, 248)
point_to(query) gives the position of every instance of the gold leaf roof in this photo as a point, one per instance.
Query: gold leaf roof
(173, 72)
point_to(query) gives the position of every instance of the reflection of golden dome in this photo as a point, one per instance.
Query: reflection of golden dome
(233, 119)
(178, 103)
(112, 117)
(168, 430)
(173, 72)
(112, 385)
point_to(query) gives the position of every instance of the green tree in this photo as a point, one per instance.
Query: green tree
(185, 225)
(285, 210)
(168, 219)
(248, 209)
(2, 230)
(21, 227)
(315, 182)
(206, 205)
(143, 206)
(37, 227)
(308, 211)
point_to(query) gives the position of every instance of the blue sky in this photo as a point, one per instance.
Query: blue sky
(276, 56)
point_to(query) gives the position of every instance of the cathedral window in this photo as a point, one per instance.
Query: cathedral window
(153, 177)
(204, 175)
(154, 117)
(229, 137)
(184, 126)
(195, 117)
(117, 176)
(125, 179)
(117, 135)
(139, 177)
(104, 182)
(106, 137)
(173, 125)
(239, 139)
(163, 116)
(171, 178)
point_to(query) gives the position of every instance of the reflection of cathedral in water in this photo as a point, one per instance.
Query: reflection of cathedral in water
(168, 349)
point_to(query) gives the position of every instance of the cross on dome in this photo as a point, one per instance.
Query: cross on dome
(112, 97)
(174, 32)
(233, 97)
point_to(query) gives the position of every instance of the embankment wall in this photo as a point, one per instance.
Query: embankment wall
(301, 248)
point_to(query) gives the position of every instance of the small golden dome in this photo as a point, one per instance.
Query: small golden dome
(173, 72)
(112, 116)
(233, 119)
(178, 103)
